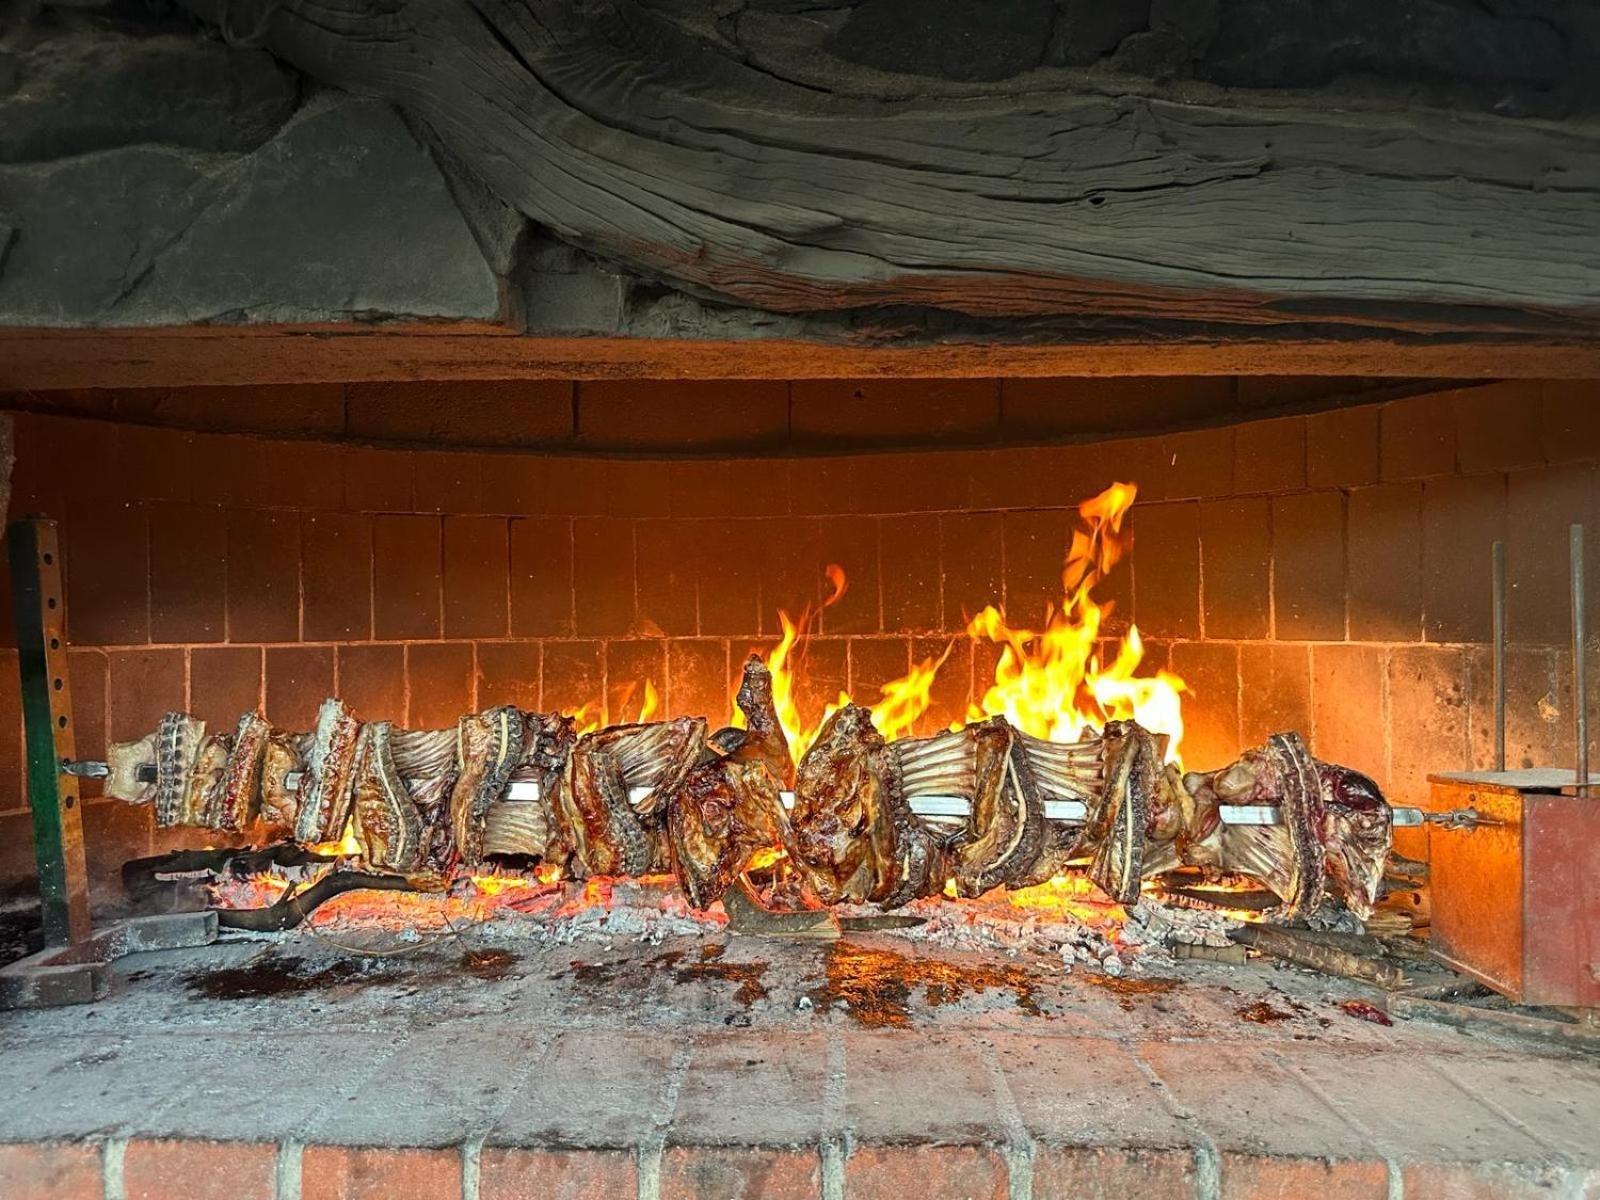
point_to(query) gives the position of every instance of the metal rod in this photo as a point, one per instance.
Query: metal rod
(1499, 558)
(1580, 636)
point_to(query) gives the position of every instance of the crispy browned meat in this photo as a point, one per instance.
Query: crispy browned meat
(178, 742)
(1357, 828)
(284, 756)
(606, 835)
(764, 740)
(241, 775)
(489, 745)
(387, 823)
(1117, 825)
(1005, 831)
(724, 812)
(853, 835)
(325, 788)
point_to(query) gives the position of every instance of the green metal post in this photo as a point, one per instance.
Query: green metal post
(40, 613)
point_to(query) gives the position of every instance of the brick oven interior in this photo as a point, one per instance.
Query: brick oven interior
(658, 600)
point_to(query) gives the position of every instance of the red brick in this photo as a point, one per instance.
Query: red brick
(188, 581)
(1275, 690)
(493, 413)
(236, 471)
(556, 1174)
(909, 561)
(363, 1173)
(629, 667)
(224, 683)
(875, 662)
(859, 412)
(1210, 670)
(263, 570)
(161, 1170)
(1235, 564)
(1498, 427)
(476, 576)
(1194, 465)
(89, 712)
(792, 562)
(732, 1172)
(665, 555)
(1108, 405)
(1072, 1171)
(952, 689)
(306, 475)
(1347, 704)
(905, 482)
(106, 559)
(1461, 520)
(1570, 414)
(823, 671)
(821, 486)
(1427, 717)
(508, 673)
(41, 1171)
(1275, 1177)
(574, 487)
(698, 676)
(1308, 569)
(336, 578)
(154, 464)
(1385, 559)
(729, 487)
(681, 414)
(513, 485)
(1478, 1181)
(439, 681)
(293, 408)
(852, 544)
(1270, 456)
(375, 481)
(1166, 569)
(299, 679)
(573, 677)
(971, 558)
(372, 680)
(1417, 437)
(114, 832)
(541, 577)
(727, 569)
(893, 1172)
(1035, 551)
(1342, 447)
(141, 686)
(1542, 506)
(1015, 477)
(603, 575)
(636, 488)
(405, 577)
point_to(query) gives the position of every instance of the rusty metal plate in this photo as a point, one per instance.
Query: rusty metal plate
(1561, 900)
(1476, 880)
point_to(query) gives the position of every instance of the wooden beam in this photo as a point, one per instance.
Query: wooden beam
(47, 360)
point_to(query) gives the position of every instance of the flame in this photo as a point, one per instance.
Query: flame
(1070, 895)
(1049, 682)
(1052, 682)
(345, 847)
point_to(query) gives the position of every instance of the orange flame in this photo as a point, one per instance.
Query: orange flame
(1049, 682)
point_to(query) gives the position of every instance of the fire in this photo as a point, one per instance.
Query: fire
(1073, 896)
(1049, 682)
(347, 845)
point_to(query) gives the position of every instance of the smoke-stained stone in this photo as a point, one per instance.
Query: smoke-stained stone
(949, 39)
(344, 213)
(1088, 30)
(84, 86)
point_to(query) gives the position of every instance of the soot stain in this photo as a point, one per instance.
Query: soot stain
(876, 986)
(1126, 990)
(709, 965)
(488, 964)
(1262, 1012)
(288, 977)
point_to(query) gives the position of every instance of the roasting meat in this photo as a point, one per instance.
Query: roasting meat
(854, 837)
(528, 828)
(178, 740)
(236, 799)
(203, 794)
(763, 738)
(656, 756)
(325, 787)
(725, 810)
(489, 746)
(1118, 822)
(596, 820)
(387, 823)
(285, 755)
(1357, 827)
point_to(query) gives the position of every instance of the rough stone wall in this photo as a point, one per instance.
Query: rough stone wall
(1327, 572)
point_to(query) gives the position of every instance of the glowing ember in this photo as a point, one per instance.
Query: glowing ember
(1071, 896)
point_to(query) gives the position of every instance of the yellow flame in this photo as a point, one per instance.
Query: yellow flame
(346, 845)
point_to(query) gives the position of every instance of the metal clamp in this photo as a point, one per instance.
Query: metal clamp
(1460, 818)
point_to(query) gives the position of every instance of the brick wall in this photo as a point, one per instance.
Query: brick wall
(1326, 572)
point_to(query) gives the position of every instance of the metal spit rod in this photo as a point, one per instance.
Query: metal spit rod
(1580, 691)
(1499, 560)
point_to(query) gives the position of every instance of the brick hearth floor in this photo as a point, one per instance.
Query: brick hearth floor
(287, 1070)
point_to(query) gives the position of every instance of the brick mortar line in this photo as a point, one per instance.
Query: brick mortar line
(1019, 1148)
(1394, 1171)
(835, 1149)
(1493, 1105)
(651, 1148)
(1207, 1159)
(112, 1154)
(286, 1177)
(472, 1147)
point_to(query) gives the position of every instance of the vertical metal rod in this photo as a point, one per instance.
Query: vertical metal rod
(1580, 636)
(1499, 558)
(39, 610)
